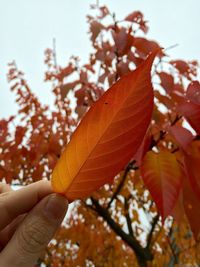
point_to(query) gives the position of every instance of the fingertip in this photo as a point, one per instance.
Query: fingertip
(55, 207)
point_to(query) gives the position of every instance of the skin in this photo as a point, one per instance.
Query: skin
(29, 218)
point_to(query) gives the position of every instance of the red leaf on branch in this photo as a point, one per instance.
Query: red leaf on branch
(191, 112)
(182, 135)
(178, 211)
(191, 206)
(144, 46)
(192, 166)
(185, 68)
(162, 176)
(144, 147)
(180, 65)
(123, 40)
(115, 125)
(19, 134)
(122, 68)
(95, 28)
(134, 16)
(104, 12)
(65, 88)
(167, 81)
(193, 92)
(37, 173)
(138, 18)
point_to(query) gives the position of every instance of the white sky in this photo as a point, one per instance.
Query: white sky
(27, 27)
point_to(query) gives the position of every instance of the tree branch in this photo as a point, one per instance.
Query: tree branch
(155, 142)
(142, 253)
(154, 222)
(122, 182)
(128, 219)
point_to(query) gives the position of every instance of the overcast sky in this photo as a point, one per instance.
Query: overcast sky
(27, 27)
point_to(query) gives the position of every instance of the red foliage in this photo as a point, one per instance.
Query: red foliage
(162, 178)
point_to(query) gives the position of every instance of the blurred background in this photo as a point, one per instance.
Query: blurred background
(27, 28)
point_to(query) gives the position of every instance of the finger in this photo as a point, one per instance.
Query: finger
(35, 232)
(7, 233)
(15, 203)
(4, 188)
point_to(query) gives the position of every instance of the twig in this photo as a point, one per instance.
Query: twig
(178, 117)
(171, 47)
(127, 215)
(155, 142)
(150, 235)
(54, 53)
(122, 182)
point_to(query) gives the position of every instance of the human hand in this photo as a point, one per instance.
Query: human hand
(29, 217)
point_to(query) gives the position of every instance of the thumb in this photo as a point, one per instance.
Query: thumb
(35, 232)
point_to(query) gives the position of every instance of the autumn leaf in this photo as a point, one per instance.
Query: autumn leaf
(33, 140)
(192, 166)
(166, 81)
(108, 136)
(182, 135)
(162, 176)
(104, 12)
(123, 40)
(191, 112)
(65, 88)
(142, 150)
(144, 47)
(95, 27)
(135, 16)
(191, 206)
(193, 92)
(178, 211)
(138, 18)
(181, 65)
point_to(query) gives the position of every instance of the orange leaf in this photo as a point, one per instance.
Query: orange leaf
(108, 136)
(162, 176)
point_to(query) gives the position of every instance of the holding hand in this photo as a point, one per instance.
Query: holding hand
(29, 217)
